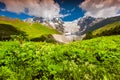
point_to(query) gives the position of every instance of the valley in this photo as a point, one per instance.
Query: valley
(56, 50)
(59, 39)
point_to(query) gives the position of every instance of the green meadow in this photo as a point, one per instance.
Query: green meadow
(94, 59)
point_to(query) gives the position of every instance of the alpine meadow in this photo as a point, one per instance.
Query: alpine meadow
(60, 40)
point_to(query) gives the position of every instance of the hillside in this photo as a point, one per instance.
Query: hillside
(107, 30)
(102, 24)
(10, 26)
(95, 59)
(110, 29)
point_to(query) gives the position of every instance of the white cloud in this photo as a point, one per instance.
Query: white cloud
(3, 10)
(101, 8)
(38, 8)
(65, 15)
(72, 9)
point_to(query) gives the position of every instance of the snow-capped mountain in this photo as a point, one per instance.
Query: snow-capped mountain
(55, 23)
(87, 22)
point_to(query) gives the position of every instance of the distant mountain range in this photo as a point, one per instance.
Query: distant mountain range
(68, 31)
(101, 23)
(67, 27)
(77, 29)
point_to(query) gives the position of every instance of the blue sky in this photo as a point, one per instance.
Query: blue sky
(70, 7)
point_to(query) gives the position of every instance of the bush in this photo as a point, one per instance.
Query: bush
(88, 35)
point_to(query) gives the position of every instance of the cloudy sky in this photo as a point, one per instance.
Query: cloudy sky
(68, 10)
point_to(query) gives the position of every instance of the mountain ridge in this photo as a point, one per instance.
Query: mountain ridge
(70, 31)
(77, 29)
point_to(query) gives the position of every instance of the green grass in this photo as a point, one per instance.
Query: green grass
(94, 59)
(33, 30)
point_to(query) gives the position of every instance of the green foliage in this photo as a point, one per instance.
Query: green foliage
(94, 59)
(45, 38)
(88, 35)
(18, 37)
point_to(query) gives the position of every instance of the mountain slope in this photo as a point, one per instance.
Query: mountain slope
(110, 29)
(102, 24)
(107, 30)
(86, 22)
(55, 23)
(32, 30)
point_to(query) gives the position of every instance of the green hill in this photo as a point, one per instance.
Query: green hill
(107, 30)
(102, 23)
(10, 26)
(110, 29)
(94, 59)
